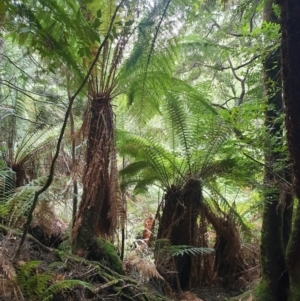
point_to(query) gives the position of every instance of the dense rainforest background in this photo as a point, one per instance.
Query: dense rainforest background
(150, 150)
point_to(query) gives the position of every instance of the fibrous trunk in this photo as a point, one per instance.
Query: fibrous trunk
(92, 218)
(229, 263)
(180, 225)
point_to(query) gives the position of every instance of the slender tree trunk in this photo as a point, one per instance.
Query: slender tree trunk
(290, 50)
(274, 282)
(75, 185)
(73, 140)
(288, 209)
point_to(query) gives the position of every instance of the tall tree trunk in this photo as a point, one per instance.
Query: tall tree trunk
(73, 141)
(290, 50)
(92, 218)
(75, 185)
(274, 282)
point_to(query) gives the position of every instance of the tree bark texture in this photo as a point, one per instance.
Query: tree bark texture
(179, 224)
(290, 50)
(274, 281)
(92, 217)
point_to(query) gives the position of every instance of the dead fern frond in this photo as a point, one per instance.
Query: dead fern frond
(45, 218)
(7, 269)
(143, 267)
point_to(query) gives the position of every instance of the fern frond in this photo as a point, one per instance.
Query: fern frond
(189, 250)
(64, 285)
(164, 246)
(224, 203)
(33, 143)
(18, 204)
(161, 161)
(7, 183)
(30, 281)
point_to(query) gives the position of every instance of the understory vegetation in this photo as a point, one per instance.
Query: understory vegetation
(149, 150)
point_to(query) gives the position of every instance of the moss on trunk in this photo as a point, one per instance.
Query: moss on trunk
(290, 49)
(274, 282)
(105, 252)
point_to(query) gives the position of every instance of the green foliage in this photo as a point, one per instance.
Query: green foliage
(181, 250)
(16, 206)
(38, 285)
(64, 285)
(32, 283)
(7, 183)
(52, 28)
(191, 139)
(164, 246)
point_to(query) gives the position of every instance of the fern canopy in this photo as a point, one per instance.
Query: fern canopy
(193, 134)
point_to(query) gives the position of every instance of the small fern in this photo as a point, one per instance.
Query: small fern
(32, 283)
(37, 285)
(63, 286)
(189, 250)
(163, 246)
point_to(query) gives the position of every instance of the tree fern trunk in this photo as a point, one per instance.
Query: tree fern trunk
(179, 225)
(95, 204)
(290, 49)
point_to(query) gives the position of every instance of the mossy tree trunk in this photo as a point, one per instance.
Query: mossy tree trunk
(92, 217)
(274, 282)
(290, 49)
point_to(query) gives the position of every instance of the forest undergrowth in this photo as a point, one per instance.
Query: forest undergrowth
(53, 273)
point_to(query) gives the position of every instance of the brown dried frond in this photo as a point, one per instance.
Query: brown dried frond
(188, 296)
(7, 270)
(45, 218)
(9, 290)
(144, 267)
(148, 230)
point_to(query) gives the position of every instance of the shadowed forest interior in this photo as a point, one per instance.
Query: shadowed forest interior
(149, 150)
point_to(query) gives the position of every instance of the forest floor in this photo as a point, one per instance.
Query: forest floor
(43, 273)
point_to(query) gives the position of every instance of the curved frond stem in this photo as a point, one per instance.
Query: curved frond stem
(269, 169)
(154, 40)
